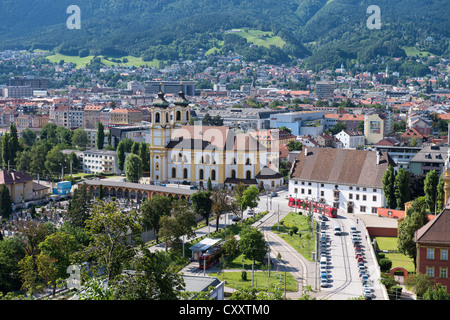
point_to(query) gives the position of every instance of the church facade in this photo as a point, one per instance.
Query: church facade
(182, 153)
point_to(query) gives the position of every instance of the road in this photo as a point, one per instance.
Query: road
(343, 276)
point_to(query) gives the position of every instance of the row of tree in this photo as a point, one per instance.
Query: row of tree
(399, 188)
(39, 255)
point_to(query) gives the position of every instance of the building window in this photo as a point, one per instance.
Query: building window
(303, 191)
(374, 198)
(309, 191)
(443, 272)
(185, 173)
(364, 197)
(295, 190)
(430, 253)
(363, 209)
(248, 175)
(213, 175)
(430, 271)
(174, 172)
(357, 197)
(247, 162)
(157, 117)
(322, 193)
(178, 116)
(350, 195)
(201, 174)
(444, 254)
(233, 174)
(374, 210)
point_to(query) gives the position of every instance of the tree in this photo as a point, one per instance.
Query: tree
(12, 250)
(56, 161)
(6, 151)
(100, 135)
(114, 235)
(202, 204)
(58, 247)
(144, 154)
(437, 292)
(5, 202)
(416, 217)
(155, 278)
(80, 138)
(338, 127)
(430, 187)
(133, 168)
(14, 146)
(238, 205)
(388, 180)
(294, 145)
(135, 148)
(401, 188)
(121, 155)
(29, 137)
(153, 209)
(221, 203)
(440, 195)
(23, 161)
(79, 207)
(251, 197)
(252, 244)
(180, 222)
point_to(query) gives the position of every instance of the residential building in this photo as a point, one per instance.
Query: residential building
(427, 159)
(348, 179)
(17, 91)
(125, 116)
(374, 128)
(137, 133)
(170, 87)
(70, 117)
(325, 89)
(350, 120)
(401, 155)
(97, 161)
(433, 247)
(92, 115)
(351, 139)
(21, 186)
(301, 123)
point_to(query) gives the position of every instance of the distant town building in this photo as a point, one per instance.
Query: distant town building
(325, 89)
(170, 87)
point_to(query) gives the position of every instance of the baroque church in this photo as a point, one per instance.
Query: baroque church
(182, 153)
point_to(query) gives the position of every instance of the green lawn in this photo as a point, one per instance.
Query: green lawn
(398, 259)
(261, 280)
(412, 51)
(304, 244)
(82, 62)
(254, 36)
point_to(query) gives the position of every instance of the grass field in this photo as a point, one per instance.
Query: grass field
(398, 259)
(82, 62)
(260, 38)
(261, 280)
(412, 51)
(304, 244)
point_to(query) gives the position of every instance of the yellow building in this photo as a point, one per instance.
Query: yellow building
(180, 152)
(21, 186)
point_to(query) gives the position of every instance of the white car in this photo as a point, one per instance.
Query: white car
(337, 230)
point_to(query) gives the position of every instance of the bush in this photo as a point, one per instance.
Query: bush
(244, 275)
(395, 292)
(385, 264)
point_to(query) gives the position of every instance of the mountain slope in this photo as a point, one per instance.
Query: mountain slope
(168, 29)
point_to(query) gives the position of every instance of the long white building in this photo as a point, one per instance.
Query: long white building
(348, 179)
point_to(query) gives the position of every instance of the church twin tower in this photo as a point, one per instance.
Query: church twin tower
(165, 118)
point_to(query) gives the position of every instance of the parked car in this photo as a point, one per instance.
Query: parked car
(367, 293)
(235, 218)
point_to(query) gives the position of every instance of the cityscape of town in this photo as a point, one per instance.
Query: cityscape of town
(218, 178)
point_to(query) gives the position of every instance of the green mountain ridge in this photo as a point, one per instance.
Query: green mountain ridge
(325, 32)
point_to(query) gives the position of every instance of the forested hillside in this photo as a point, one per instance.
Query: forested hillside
(327, 32)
